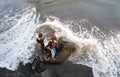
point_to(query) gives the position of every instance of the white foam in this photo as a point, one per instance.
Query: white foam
(100, 52)
(17, 43)
(94, 48)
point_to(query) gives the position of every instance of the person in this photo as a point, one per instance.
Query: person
(52, 45)
(40, 42)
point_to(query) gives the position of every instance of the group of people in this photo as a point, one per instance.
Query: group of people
(49, 51)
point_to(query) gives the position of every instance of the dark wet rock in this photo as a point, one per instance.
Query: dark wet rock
(60, 67)
(67, 69)
(63, 51)
(47, 30)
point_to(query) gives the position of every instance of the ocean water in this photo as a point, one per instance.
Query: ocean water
(93, 26)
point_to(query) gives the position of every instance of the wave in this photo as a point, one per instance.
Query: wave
(94, 48)
(17, 42)
(97, 49)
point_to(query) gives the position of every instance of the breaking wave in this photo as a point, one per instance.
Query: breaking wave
(94, 48)
(17, 39)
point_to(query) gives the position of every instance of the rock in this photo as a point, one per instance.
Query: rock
(63, 51)
(67, 69)
(46, 30)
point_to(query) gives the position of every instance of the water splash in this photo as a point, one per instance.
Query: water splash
(94, 48)
(18, 41)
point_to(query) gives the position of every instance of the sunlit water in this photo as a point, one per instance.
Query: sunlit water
(95, 48)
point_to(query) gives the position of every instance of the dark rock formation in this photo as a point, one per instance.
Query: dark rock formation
(67, 69)
(63, 51)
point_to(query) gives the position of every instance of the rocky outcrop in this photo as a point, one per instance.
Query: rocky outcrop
(67, 69)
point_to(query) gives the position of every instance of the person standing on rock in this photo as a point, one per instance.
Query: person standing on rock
(52, 45)
(40, 41)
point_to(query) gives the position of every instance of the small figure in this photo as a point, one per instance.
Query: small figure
(52, 45)
(41, 42)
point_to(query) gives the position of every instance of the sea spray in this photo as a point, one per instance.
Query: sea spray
(17, 42)
(103, 49)
(94, 48)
